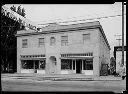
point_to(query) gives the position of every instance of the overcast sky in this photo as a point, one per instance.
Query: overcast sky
(44, 13)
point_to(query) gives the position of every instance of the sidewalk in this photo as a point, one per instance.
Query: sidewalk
(59, 77)
(108, 78)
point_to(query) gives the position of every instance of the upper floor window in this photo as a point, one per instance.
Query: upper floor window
(64, 40)
(52, 41)
(86, 37)
(24, 43)
(41, 41)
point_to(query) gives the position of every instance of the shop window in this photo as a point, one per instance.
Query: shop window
(88, 64)
(24, 43)
(42, 64)
(41, 42)
(27, 64)
(64, 40)
(66, 64)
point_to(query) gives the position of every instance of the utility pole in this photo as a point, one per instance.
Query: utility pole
(122, 33)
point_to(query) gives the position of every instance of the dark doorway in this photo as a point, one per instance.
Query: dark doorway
(78, 66)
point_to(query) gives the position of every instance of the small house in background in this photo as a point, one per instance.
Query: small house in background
(64, 49)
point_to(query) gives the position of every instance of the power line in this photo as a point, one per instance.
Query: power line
(81, 19)
(92, 18)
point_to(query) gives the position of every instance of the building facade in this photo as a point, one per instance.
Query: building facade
(63, 49)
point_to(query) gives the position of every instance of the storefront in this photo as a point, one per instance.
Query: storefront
(77, 64)
(31, 64)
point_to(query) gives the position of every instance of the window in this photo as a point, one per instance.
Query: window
(52, 41)
(24, 43)
(41, 42)
(42, 64)
(86, 37)
(64, 40)
(27, 64)
(88, 64)
(66, 64)
(73, 65)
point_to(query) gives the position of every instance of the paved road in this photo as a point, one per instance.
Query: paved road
(32, 85)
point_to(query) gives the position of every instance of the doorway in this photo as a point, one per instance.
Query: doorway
(53, 64)
(78, 66)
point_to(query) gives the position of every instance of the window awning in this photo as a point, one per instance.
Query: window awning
(78, 57)
(33, 58)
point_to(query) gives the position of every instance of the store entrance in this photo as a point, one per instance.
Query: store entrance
(78, 66)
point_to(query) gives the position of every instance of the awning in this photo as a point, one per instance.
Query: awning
(78, 57)
(33, 58)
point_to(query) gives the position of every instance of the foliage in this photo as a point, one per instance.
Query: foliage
(9, 27)
(20, 11)
(112, 61)
(13, 8)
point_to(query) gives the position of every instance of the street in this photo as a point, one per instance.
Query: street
(32, 85)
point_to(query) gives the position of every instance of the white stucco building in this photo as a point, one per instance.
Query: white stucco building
(63, 49)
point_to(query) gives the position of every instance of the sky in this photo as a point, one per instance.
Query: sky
(47, 13)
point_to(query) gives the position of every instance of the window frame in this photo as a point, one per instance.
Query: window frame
(86, 38)
(24, 43)
(64, 40)
(52, 42)
(41, 43)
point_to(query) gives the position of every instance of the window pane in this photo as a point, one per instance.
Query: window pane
(52, 41)
(24, 43)
(27, 64)
(42, 64)
(64, 40)
(86, 37)
(88, 64)
(65, 64)
(41, 41)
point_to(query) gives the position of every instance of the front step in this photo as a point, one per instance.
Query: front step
(65, 78)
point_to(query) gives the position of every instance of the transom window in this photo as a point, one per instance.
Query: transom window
(41, 42)
(52, 41)
(24, 43)
(64, 40)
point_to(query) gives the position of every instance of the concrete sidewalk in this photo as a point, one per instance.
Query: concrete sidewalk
(60, 77)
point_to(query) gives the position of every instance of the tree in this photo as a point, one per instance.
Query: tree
(112, 65)
(23, 12)
(13, 8)
(9, 27)
(19, 11)
(112, 61)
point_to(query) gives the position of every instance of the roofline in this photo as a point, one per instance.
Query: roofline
(56, 31)
(102, 31)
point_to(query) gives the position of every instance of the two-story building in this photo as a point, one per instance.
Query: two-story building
(63, 49)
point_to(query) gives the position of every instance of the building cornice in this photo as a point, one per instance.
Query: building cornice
(56, 31)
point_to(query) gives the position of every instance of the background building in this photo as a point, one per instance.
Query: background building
(63, 49)
(118, 57)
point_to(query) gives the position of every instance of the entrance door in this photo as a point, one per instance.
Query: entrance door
(78, 66)
(53, 65)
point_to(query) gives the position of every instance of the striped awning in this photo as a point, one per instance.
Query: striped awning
(78, 57)
(42, 58)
